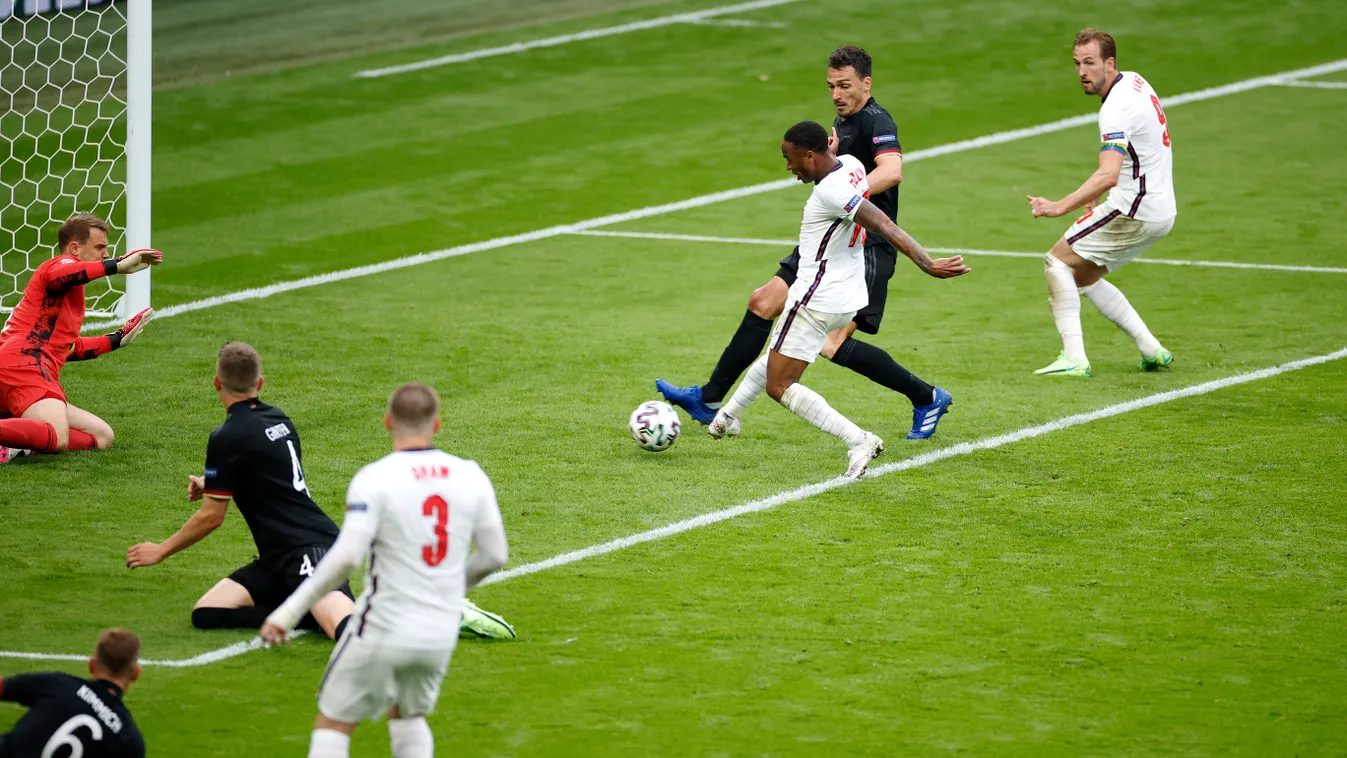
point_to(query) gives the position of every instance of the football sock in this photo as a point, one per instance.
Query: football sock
(810, 406)
(341, 627)
(81, 441)
(330, 743)
(250, 617)
(746, 344)
(878, 366)
(755, 381)
(28, 434)
(1114, 305)
(411, 738)
(1065, 301)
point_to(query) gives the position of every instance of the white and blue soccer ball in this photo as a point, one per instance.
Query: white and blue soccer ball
(654, 426)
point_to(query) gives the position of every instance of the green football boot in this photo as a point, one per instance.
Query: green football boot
(1064, 366)
(1161, 359)
(485, 624)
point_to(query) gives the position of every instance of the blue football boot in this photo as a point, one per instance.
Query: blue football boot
(925, 417)
(687, 398)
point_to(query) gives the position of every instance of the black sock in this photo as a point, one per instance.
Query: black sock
(744, 348)
(879, 367)
(341, 627)
(250, 617)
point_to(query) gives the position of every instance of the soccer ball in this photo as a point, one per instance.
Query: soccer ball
(654, 426)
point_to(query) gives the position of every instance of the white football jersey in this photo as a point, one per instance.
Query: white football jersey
(1132, 122)
(831, 275)
(423, 507)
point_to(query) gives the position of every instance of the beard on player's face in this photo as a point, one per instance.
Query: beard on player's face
(1090, 70)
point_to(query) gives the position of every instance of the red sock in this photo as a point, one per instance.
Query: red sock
(82, 441)
(29, 434)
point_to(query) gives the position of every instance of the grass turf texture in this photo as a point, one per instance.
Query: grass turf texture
(1045, 597)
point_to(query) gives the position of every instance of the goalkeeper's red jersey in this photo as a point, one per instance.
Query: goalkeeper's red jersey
(45, 327)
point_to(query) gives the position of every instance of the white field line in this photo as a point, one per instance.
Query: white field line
(691, 17)
(1315, 85)
(791, 496)
(998, 138)
(955, 251)
(212, 656)
(742, 23)
(925, 459)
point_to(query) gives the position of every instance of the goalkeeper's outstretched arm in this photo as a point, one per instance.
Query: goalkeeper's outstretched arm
(88, 348)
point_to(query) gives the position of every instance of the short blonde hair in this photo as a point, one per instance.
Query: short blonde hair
(413, 406)
(238, 368)
(117, 652)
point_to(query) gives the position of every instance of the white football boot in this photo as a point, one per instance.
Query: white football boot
(861, 455)
(723, 426)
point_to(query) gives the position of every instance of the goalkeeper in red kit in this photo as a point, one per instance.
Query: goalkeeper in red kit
(43, 333)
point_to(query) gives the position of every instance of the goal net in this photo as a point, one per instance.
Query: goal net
(74, 137)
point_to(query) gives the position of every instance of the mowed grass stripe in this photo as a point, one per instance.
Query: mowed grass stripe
(997, 138)
(794, 495)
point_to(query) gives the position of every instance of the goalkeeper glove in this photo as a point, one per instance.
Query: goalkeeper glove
(139, 260)
(131, 329)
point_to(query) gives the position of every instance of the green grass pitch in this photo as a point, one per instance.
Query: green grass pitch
(1168, 581)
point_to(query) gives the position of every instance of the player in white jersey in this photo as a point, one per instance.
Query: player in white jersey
(1136, 168)
(416, 513)
(829, 288)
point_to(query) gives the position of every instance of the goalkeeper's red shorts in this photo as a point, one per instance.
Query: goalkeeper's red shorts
(21, 387)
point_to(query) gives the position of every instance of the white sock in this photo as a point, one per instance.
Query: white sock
(1065, 301)
(810, 406)
(329, 743)
(411, 738)
(754, 382)
(1113, 304)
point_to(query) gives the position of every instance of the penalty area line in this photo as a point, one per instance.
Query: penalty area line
(206, 658)
(951, 251)
(783, 498)
(691, 17)
(988, 140)
(925, 459)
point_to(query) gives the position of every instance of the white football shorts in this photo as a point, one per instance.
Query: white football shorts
(801, 331)
(365, 678)
(1107, 237)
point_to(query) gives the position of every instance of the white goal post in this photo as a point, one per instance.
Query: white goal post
(75, 87)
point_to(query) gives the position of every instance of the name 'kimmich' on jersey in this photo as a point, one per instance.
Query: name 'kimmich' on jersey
(831, 276)
(1133, 122)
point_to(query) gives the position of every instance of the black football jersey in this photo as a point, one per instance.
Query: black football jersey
(866, 135)
(69, 716)
(255, 458)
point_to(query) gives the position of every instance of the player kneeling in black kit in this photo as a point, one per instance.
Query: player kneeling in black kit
(255, 459)
(84, 716)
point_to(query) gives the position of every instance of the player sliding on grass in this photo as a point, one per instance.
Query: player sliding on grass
(865, 131)
(419, 510)
(830, 288)
(1136, 169)
(43, 333)
(255, 459)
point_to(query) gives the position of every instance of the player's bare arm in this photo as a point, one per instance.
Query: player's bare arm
(873, 219)
(207, 519)
(888, 173)
(1101, 181)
